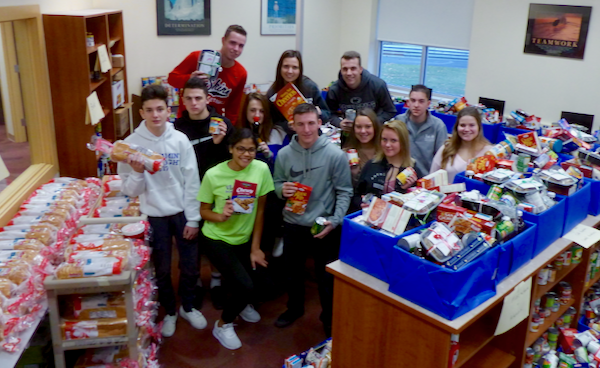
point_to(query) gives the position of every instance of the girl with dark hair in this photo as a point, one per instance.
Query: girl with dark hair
(364, 138)
(290, 70)
(256, 116)
(232, 203)
(467, 142)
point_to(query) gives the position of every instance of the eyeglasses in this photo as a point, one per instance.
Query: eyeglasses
(241, 150)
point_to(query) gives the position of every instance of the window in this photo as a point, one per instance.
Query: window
(443, 70)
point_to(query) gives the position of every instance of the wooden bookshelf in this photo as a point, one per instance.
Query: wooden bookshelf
(71, 63)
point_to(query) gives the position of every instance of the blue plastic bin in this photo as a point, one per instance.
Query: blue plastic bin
(523, 246)
(492, 132)
(367, 249)
(399, 108)
(472, 184)
(549, 223)
(594, 208)
(576, 208)
(448, 119)
(581, 327)
(447, 293)
(514, 131)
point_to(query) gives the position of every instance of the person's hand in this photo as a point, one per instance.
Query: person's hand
(409, 182)
(136, 161)
(288, 189)
(258, 257)
(198, 74)
(227, 210)
(325, 231)
(264, 148)
(218, 138)
(190, 233)
(346, 125)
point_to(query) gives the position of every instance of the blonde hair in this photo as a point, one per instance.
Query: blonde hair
(401, 131)
(453, 144)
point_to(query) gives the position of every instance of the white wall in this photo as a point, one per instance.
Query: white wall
(51, 5)
(541, 85)
(150, 55)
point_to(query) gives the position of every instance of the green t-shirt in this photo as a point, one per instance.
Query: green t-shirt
(217, 187)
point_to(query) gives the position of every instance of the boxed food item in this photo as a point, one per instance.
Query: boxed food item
(118, 93)
(89, 329)
(121, 121)
(297, 203)
(244, 196)
(95, 306)
(118, 61)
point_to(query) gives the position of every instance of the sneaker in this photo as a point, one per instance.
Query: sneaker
(278, 248)
(287, 318)
(227, 336)
(217, 294)
(249, 314)
(168, 327)
(194, 317)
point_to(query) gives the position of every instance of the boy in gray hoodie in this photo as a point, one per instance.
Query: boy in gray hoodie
(311, 160)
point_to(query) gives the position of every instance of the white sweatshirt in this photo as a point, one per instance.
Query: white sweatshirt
(175, 187)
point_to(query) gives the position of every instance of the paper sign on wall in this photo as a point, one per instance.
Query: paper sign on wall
(94, 109)
(586, 236)
(3, 170)
(515, 307)
(105, 64)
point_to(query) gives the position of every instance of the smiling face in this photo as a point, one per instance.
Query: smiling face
(233, 45)
(242, 154)
(363, 129)
(351, 72)
(467, 128)
(156, 113)
(307, 128)
(255, 108)
(290, 69)
(390, 143)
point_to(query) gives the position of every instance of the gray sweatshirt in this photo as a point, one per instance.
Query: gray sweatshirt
(324, 167)
(425, 140)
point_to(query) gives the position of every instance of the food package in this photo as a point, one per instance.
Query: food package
(21, 244)
(298, 202)
(424, 202)
(121, 150)
(102, 357)
(95, 306)
(17, 272)
(90, 267)
(123, 255)
(440, 242)
(559, 181)
(377, 212)
(498, 176)
(97, 328)
(243, 196)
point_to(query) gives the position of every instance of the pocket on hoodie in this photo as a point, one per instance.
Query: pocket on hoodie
(167, 198)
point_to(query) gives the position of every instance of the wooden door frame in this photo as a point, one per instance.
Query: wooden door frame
(13, 94)
(35, 85)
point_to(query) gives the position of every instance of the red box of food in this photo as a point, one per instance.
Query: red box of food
(446, 212)
(566, 339)
(297, 203)
(243, 196)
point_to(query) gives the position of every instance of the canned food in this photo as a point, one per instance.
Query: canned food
(406, 174)
(558, 262)
(529, 353)
(495, 192)
(523, 162)
(577, 252)
(549, 300)
(556, 305)
(535, 323)
(318, 226)
(566, 258)
(509, 199)
(350, 114)
(352, 157)
(213, 128)
(89, 40)
(543, 277)
(551, 273)
(565, 291)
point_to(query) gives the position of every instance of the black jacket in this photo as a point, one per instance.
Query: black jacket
(208, 154)
(372, 180)
(372, 92)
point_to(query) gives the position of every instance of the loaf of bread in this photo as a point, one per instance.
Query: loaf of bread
(69, 271)
(122, 150)
(6, 287)
(97, 328)
(95, 306)
(17, 272)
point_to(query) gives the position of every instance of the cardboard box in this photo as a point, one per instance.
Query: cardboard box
(117, 77)
(118, 93)
(121, 121)
(118, 61)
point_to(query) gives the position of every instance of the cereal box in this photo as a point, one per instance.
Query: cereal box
(298, 202)
(243, 196)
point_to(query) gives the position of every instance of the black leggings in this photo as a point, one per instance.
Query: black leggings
(233, 261)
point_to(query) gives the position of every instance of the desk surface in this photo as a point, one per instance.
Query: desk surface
(379, 288)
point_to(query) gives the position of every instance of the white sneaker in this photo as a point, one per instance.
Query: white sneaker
(249, 314)
(168, 327)
(278, 248)
(194, 317)
(227, 336)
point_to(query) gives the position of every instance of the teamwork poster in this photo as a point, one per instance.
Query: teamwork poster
(183, 17)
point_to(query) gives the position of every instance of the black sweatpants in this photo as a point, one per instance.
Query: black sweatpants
(163, 231)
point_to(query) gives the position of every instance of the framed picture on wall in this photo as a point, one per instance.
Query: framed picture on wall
(183, 17)
(278, 17)
(557, 30)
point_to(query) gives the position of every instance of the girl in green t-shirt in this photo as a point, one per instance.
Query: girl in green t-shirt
(233, 196)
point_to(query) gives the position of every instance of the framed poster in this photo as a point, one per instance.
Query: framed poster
(557, 30)
(278, 17)
(183, 17)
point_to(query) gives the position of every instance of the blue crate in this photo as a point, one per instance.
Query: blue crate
(514, 131)
(472, 184)
(576, 208)
(492, 132)
(400, 109)
(523, 246)
(448, 119)
(549, 223)
(594, 208)
(368, 249)
(447, 293)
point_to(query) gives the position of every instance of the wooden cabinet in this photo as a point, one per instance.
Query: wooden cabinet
(71, 63)
(375, 328)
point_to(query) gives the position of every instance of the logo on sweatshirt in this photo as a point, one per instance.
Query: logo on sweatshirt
(293, 173)
(171, 159)
(219, 89)
(355, 100)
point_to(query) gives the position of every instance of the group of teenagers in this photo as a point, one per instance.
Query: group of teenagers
(192, 197)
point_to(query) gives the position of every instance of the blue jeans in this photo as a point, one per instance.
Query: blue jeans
(163, 231)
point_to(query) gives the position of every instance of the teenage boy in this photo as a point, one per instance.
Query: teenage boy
(427, 132)
(211, 149)
(311, 160)
(168, 197)
(357, 89)
(225, 93)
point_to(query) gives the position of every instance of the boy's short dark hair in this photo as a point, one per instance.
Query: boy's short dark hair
(235, 28)
(351, 55)
(305, 108)
(196, 83)
(154, 92)
(421, 88)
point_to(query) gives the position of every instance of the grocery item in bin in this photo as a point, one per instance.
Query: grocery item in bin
(377, 212)
(90, 267)
(474, 245)
(424, 202)
(121, 150)
(440, 242)
(498, 176)
(98, 328)
(482, 164)
(559, 181)
(95, 306)
(525, 186)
